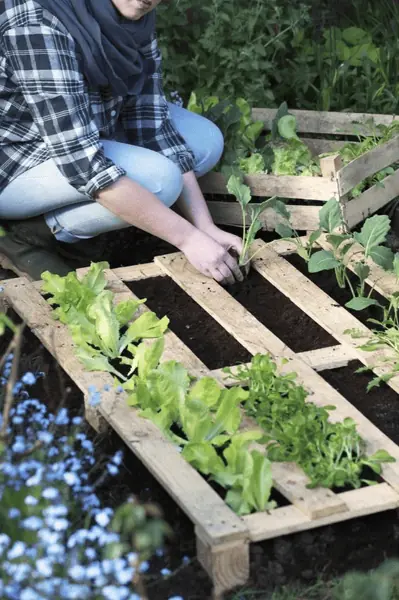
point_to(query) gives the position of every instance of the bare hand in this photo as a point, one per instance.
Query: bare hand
(212, 258)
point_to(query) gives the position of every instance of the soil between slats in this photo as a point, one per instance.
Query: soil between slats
(328, 551)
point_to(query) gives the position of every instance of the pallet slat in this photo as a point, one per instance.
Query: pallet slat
(288, 519)
(285, 186)
(323, 359)
(368, 164)
(322, 122)
(303, 218)
(256, 338)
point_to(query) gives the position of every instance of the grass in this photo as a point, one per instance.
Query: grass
(319, 591)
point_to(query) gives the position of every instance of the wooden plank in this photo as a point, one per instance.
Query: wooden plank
(227, 564)
(288, 519)
(372, 200)
(320, 307)
(321, 122)
(303, 218)
(319, 146)
(285, 186)
(367, 164)
(322, 359)
(256, 338)
(330, 165)
(186, 486)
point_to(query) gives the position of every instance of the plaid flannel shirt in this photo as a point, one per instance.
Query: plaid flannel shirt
(47, 110)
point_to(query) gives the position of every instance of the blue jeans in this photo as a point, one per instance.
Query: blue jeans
(44, 190)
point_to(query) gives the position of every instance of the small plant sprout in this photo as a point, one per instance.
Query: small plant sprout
(344, 247)
(251, 223)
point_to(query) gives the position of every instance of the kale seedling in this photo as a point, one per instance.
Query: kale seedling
(242, 193)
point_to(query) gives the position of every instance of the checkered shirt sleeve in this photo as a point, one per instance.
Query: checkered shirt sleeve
(46, 69)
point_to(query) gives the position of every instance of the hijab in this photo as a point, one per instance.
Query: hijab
(107, 43)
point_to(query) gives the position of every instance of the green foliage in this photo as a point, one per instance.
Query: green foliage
(331, 454)
(381, 584)
(200, 417)
(230, 48)
(95, 324)
(370, 239)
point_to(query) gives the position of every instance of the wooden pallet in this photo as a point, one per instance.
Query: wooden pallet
(222, 537)
(336, 181)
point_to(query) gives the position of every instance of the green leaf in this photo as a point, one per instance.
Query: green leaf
(146, 326)
(280, 208)
(330, 217)
(261, 481)
(323, 260)
(373, 233)
(238, 189)
(124, 311)
(383, 257)
(287, 127)
(94, 361)
(361, 303)
(362, 271)
(314, 236)
(336, 239)
(207, 390)
(106, 323)
(147, 357)
(284, 231)
(203, 456)
(95, 277)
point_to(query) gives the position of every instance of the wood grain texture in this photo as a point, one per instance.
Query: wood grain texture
(321, 122)
(284, 186)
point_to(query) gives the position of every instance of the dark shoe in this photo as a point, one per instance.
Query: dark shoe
(29, 248)
(83, 252)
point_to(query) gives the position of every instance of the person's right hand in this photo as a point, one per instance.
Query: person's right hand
(211, 258)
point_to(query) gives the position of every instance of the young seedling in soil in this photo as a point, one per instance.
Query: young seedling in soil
(250, 213)
(370, 241)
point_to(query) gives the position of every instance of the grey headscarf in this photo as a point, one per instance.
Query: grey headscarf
(108, 44)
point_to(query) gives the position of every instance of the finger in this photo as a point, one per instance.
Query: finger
(234, 267)
(228, 276)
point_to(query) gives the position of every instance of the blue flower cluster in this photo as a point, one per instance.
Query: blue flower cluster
(56, 539)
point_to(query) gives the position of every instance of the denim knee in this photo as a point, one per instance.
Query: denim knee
(169, 181)
(211, 150)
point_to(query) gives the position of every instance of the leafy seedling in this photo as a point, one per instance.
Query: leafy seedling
(250, 212)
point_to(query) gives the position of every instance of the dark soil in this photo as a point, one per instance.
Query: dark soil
(328, 551)
(326, 281)
(200, 332)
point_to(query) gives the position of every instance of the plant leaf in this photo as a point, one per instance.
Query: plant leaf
(323, 260)
(373, 233)
(284, 230)
(383, 257)
(361, 303)
(330, 217)
(238, 189)
(287, 127)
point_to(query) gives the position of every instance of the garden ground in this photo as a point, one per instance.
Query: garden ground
(296, 560)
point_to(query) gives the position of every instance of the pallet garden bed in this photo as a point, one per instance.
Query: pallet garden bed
(336, 181)
(223, 538)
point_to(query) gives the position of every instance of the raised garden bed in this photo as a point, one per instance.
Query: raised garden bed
(222, 537)
(336, 181)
